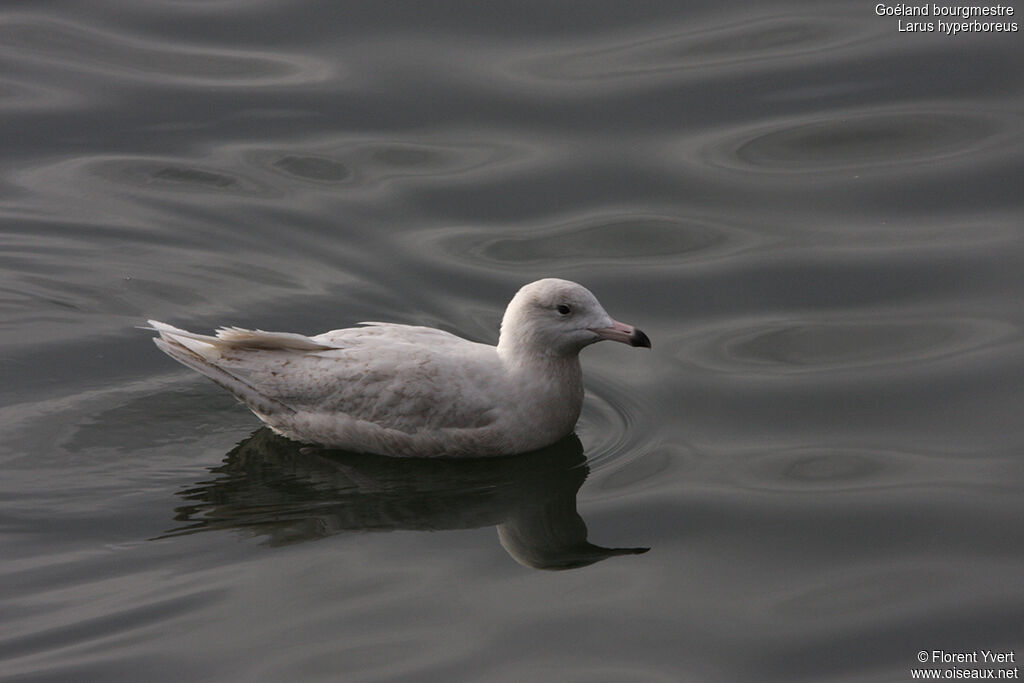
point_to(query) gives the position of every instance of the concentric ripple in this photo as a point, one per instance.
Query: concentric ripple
(787, 347)
(172, 175)
(854, 140)
(605, 238)
(366, 161)
(831, 469)
(604, 426)
(612, 425)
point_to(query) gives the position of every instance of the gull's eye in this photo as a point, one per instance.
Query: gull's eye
(563, 309)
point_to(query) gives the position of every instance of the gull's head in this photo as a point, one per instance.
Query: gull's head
(559, 317)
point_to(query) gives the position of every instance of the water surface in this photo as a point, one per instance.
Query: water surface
(816, 218)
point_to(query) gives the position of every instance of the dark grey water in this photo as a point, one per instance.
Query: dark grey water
(817, 218)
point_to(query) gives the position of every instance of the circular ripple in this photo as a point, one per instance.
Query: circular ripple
(616, 239)
(604, 428)
(854, 140)
(867, 140)
(645, 469)
(813, 469)
(790, 347)
(144, 174)
(839, 344)
(612, 427)
(367, 162)
(173, 176)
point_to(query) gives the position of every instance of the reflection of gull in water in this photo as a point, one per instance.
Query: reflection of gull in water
(273, 487)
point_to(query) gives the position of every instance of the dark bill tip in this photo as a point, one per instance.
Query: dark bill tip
(638, 338)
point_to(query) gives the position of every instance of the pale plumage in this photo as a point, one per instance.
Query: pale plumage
(415, 391)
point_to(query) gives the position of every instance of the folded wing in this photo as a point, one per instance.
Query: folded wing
(395, 376)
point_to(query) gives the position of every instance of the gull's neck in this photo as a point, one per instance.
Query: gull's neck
(559, 371)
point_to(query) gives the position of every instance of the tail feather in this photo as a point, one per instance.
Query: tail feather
(198, 351)
(238, 338)
(259, 339)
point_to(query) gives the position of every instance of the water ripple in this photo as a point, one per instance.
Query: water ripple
(614, 430)
(146, 173)
(610, 237)
(604, 426)
(867, 593)
(310, 167)
(86, 48)
(822, 345)
(750, 42)
(258, 171)
(824, 144)
(828, 469)
(17, 96)
(368, 161)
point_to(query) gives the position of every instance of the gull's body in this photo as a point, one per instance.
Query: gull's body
(416, 391)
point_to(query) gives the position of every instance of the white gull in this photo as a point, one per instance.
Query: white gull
(416, 391)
